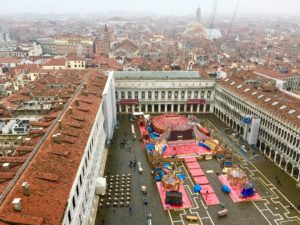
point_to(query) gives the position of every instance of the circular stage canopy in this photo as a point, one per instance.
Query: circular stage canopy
(174, 121)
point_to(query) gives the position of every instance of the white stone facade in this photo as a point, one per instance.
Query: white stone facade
(162, 96)
(82, 201)
(278, 139)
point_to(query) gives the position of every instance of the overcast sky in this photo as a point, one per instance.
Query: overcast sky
(165, 7)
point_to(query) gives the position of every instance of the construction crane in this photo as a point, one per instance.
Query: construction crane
(212, 17)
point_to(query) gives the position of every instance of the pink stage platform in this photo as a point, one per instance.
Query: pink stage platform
(190, 159)
(193, 165)
(185, 199)
(185, 149)
(196, 172)
(236, 190)
(211, 199)
(205, 188)
(143, 130)
(200, 180)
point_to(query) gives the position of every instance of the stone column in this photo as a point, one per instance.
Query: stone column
(172, 108)
(285, 168)
(292, 171)
(198, 108)
(280, 161)
(126, 108)
(146, 108)
(159, 108)
(185, 108)
(120, 108)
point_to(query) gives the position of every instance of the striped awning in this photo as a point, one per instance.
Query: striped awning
(129, 101)
(195, 101)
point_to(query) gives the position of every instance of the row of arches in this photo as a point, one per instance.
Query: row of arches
(279, 159)
(237, 127)
(236, 108)
(293, 169)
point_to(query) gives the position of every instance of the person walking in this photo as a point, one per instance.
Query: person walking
(134, 165)
(130, 211)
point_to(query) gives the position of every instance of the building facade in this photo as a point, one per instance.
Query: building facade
(276, 136)
(162, 92)
(83, 204)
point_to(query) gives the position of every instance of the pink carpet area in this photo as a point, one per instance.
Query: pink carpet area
(143, 130)
(211, 199)
(200, 180)
(196, 172)
(205, 188)
(185, 149)
(236, 191)
(190, 159)
(185, 199)
(193, 165)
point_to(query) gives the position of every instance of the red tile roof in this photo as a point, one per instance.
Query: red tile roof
(267, 98)
(52, 170)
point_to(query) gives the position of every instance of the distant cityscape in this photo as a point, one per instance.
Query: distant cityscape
(82, 99)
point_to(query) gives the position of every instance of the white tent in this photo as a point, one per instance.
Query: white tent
(100, 185)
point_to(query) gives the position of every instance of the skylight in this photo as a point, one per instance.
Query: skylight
(298, 117)
(260, 96)
(267, 100)
(239, 86)
(226, 80)
(283, 107)
(275, 103)
(246, 90)
(291, 111)
(254, 93)
(232, 83)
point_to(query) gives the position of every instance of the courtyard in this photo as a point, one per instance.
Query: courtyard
(274, 208)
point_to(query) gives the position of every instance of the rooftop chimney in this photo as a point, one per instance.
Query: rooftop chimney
(27, 141)
(77, 102)
(20, 140)
(6, 167)
(71, 110)
(84, 85)
(60, 105)
(26, 188)
(9, 111)
(17, 204)
(59, 124)
(57, 138)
